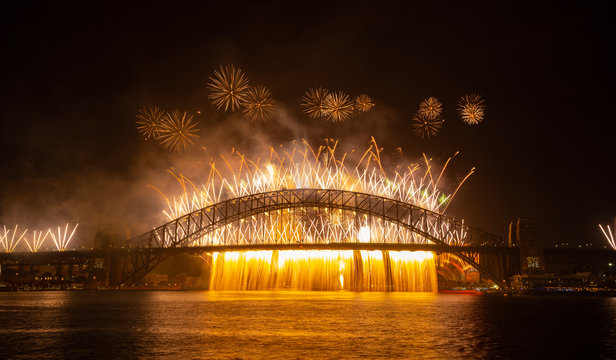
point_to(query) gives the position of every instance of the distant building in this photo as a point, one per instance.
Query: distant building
(523, 234)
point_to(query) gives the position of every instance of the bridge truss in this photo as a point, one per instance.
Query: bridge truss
(219, 226)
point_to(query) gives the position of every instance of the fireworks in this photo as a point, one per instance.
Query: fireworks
(430, 108)
(177, 131)
(338, 106)
(471, 109)
(313, 102)
(609, 236)
(363, 103)
(426, 127)
(8, 241)
(229, 88)
(301, 166)
(38, 238)
(63, 238)
(330, 270)
(148, 121)
(258, 106)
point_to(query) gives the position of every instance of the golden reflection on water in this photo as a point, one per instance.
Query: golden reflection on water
(301, 325)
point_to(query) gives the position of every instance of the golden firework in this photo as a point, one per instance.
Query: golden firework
(363, 102)
(258, 106)
(426, 127)
(148, 121)
(430, 108)
(338, 106)
(177, 130)
(471, 109)
(229, 87)
(313, 102)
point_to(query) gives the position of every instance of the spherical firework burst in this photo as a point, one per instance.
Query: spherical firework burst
(471, 109)
(363, 102)
(338, 106)
(229, 87)
(177, 130)
(148, 121)
(426, 127)
(430, 108)
(258, 106)
(314, 101)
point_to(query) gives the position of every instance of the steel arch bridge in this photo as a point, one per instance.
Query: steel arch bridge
(148, 250)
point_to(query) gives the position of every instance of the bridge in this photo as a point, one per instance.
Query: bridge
(434, 231)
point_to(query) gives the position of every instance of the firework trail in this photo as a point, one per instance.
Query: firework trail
(313, 102)
(301, 166)
(363, 103)
(8, 242)
(38, 238)
(430, 108)
(338, 106)
(229, 88)
(148, 121)
(609, 235)
(471, 109)
(177, 131)
(63, 238)
(426, 127)
(258, 106)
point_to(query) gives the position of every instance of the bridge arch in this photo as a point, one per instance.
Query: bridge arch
(181, 232)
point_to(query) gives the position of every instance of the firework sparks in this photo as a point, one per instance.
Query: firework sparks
(307, 167)
(363, 103)
(38, 238)
(148, 121)
(471, 109)
(63, 238)
(609, 235)
(338, 106)
(229, 88)
(8, 241)
(177, 131)
(313, 102)
(258, 106)
(430, 108)
(426, 127)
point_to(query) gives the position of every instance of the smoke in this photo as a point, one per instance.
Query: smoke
(128, 200)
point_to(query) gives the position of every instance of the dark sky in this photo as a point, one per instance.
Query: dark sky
(74, 76)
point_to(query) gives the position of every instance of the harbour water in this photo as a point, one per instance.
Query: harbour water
(303, 325)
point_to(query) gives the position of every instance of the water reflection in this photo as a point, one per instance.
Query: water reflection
(288, 324)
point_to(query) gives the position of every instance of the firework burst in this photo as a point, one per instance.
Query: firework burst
(62, 238)
(301, 166)
(471, 109)
(38, 238)
(9, 242)
(258, 106)
(363, 102)
(229, 88)
(338, 106)
(430, 108)
(313, 102)
(177, 131)
(426, 127)
(148, 121)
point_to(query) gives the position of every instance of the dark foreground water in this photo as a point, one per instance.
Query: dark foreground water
(306, 325)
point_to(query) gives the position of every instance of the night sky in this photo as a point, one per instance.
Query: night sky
(75, 75)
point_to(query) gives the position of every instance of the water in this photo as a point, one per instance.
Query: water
(304, 325)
